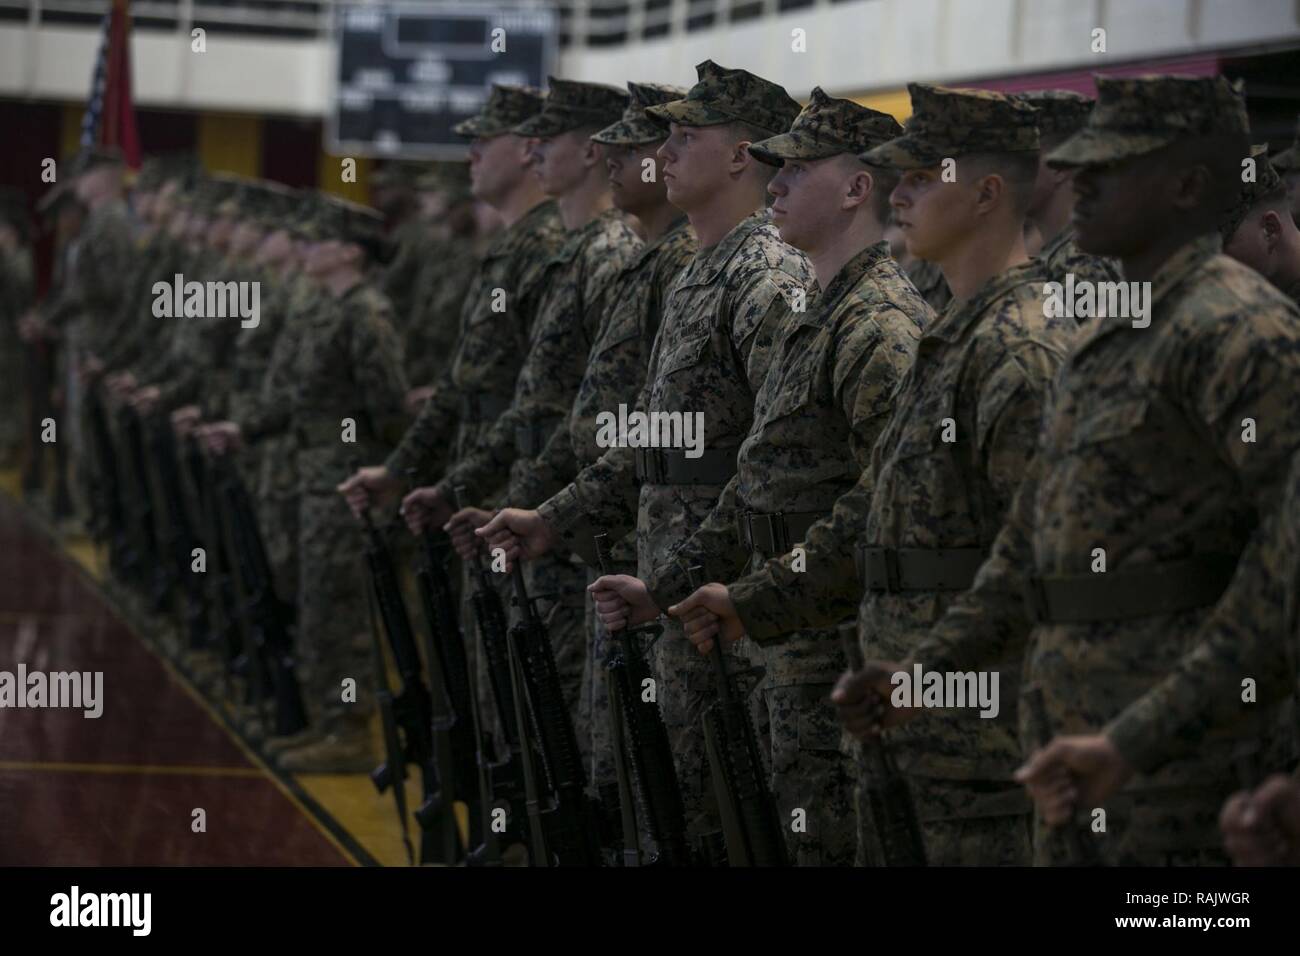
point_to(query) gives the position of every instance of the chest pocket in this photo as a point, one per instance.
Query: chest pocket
(793, 394)
(1111, 423)
(683, 355)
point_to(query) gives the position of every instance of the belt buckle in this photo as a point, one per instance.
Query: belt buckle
(776, 531)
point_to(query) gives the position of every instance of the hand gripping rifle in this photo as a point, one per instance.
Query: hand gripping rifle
(454, 720)
(571, 830)
(1067, 837)
(887, 791)
(407, 717)
(502, 782)
(643, 755)
(745, 803)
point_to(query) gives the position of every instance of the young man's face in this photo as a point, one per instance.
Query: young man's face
(626, 183)
(1121, 208)
(244, 238)
(496, 165)
(934, 217)
(559, 161)
(165, 201)
(696, 163)
(275, 248)
(810, 196)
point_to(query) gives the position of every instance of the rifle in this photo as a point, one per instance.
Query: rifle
(151, 578)
(411, 710)
(885, 787)
(639, 730)
(570, 821)
(1066, 837)
(504, 782)
(745, 803)
(108, 517)
(223, 628)
(454, 721)
(179, 541)
(270, 650)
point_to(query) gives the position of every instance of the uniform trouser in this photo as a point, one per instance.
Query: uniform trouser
(560, 586)
(334, 623)
(811, 778)
(954, 834)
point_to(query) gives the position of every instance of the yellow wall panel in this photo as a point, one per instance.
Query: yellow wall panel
(897, 103)
(329, 178)
(70, 141)
(231, 143)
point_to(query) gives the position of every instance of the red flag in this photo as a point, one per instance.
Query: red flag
(110, 115)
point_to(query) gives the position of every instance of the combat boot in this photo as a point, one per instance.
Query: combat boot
(345, 749)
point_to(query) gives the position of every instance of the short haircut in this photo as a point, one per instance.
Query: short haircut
(1221, 155)
(884, 181)
(1019, 170)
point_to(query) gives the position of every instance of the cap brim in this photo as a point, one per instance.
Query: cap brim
(775, 150)
(478, 127)
(636, 132)
(1096, 146)
(908, 151)
(687, 113)
(545, 124)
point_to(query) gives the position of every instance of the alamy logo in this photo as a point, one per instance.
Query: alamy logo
(208, 300)
(922, 688)
(103, 909)
(651, 430)
(1084, 299)
(59, 689)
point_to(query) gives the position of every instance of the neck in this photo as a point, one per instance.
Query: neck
(586, 201)
(722, 212)
(340, 281)
(994, 250)
(656, 219)
(1142, 266)
(829, 260)
(1054, 217)
(520, 200)
(1287, 274)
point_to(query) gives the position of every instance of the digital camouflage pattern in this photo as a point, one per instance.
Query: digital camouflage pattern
(97, 282)
(1061, 257)
(929, 281)
(827, 395)
(1059, 112)
(1252, 633)
(635, 128)
(507, 106)
(722, 96)
(433, 323)
(1142, 454)
(948, 122)
(1138, 115)
(491, 346)
(719, 322)
(572, 105)
(826, 127)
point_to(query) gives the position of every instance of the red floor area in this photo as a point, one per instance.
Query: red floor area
(154, 755)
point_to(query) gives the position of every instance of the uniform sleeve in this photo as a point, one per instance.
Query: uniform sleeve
(757, 316)
(713, 545)
(431, 432)
(376, 357)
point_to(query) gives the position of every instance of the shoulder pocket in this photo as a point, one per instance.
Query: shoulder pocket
(683, 355)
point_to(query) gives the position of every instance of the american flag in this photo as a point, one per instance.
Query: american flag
(110, 113)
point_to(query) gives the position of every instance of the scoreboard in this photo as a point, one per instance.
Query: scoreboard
(406, 73)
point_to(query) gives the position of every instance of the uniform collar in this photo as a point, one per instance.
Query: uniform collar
(511, 238)
(1183, 264)
(709, 262)
(958, 316)
(675, 228)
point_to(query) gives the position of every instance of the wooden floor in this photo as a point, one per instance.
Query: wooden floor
(123, 789)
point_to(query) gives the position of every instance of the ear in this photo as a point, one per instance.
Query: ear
(740, 158)
(593, 153)
(1192, 187)
(861, 185)
(1272, 225)
(989, 191)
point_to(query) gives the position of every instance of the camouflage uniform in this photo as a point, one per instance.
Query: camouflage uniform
(614, 374)
(347, 364)
(826, 396)
(934, 505)
(719, 323)
(929, 281)
(576, 294)
(1062, 113)
(477, 386)
(1142, 456)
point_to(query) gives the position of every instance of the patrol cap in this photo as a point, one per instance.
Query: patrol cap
(93, 157)
(1267, 182)
(1135, 116)
(634, 128)
(826, 127)
(571, 105)
(446, 177)
(1288, 160)
(1060, 112)
(395, 174)
(729, 96)
(351, 222)
(228, 192)
(948, 122)
(507, 106)
(270, 204)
